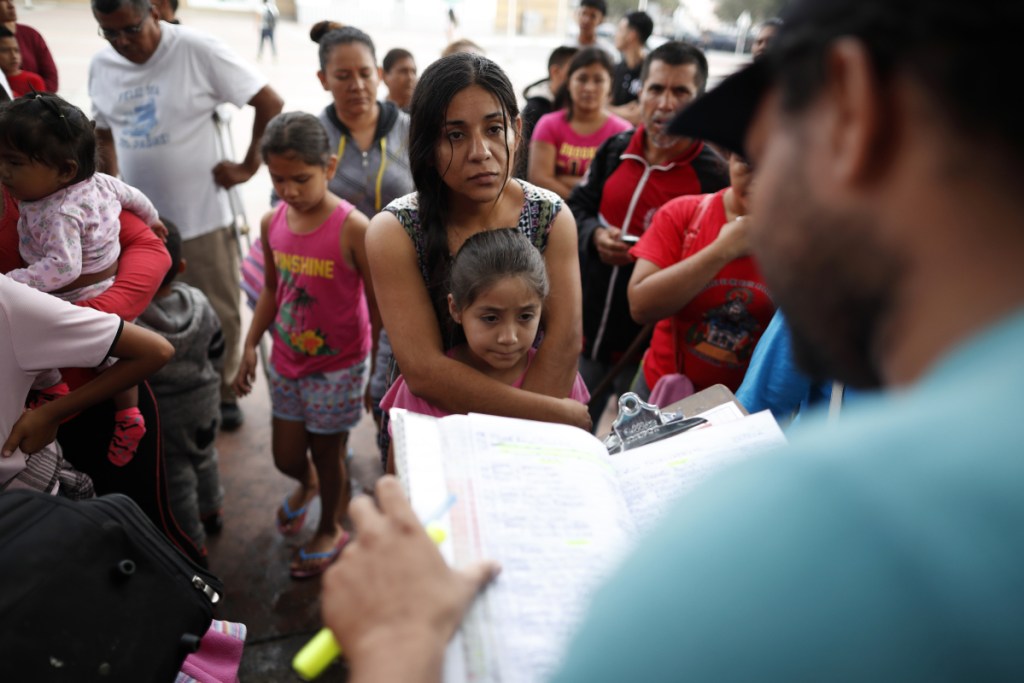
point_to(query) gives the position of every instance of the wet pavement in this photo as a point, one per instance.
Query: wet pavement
(251, 557)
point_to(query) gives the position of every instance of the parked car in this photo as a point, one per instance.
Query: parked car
(725, 40)
(687, 37)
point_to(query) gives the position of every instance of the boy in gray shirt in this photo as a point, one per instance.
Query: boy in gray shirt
(187, 390)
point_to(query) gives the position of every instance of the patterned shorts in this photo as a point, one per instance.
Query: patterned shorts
(328, 402)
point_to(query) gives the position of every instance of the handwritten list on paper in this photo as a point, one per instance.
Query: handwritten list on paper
(548, 508)
(653, 476)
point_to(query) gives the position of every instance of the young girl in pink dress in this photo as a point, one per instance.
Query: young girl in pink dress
(314, 301)
(496, 294)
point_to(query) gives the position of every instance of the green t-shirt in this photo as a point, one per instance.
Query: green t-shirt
(890, 547)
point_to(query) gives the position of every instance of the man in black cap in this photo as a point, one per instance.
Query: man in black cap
(889, 222)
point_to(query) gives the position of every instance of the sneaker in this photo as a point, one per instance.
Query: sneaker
(231, 417)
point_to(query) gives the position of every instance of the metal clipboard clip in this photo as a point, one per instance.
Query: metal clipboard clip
(640, 423)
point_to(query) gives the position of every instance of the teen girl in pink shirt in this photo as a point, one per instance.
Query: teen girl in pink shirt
(565, 141)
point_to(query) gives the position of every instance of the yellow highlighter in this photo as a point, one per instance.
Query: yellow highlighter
(318, 653)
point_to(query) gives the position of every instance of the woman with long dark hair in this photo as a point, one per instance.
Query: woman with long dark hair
(463, 135)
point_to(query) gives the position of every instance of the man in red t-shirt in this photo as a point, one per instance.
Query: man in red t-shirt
(631, 176)
(694, 275)
(21, 82)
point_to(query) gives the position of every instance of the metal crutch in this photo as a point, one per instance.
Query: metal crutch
(239, 221)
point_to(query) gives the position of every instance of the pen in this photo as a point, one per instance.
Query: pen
(322, 649)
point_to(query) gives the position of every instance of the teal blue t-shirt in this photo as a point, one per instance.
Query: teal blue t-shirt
(888, 547)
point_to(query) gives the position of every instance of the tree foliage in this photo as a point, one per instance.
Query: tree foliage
(730, 10)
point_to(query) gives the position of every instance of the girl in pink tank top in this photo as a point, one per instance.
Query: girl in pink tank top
(314, 302)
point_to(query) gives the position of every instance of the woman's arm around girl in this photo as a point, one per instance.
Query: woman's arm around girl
(415, 335)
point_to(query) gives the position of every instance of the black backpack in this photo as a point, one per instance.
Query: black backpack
(92, 590)
(85, 439)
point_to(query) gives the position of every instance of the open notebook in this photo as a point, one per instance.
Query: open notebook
(556, 510)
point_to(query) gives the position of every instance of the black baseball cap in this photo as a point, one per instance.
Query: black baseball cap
(889, 28)
(723, 114)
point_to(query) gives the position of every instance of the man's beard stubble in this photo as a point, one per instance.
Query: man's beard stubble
(832, 279)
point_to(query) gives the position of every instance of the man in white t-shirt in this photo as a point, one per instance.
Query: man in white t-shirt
(154, 90)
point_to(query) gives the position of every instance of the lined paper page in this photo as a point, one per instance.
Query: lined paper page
(547, 507)
(653, 476)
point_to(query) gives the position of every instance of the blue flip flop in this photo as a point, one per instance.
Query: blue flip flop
(293, 519)
(323, 559)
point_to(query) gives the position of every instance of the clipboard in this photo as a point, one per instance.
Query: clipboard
(639, 423)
